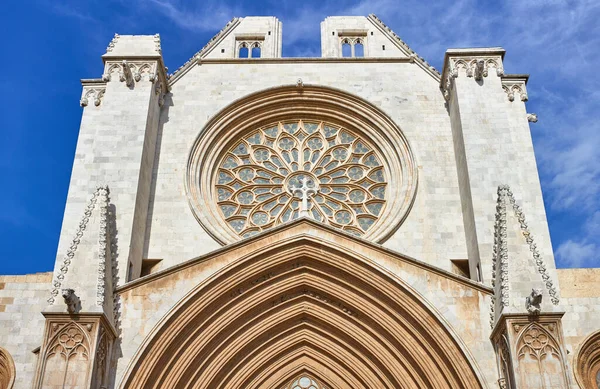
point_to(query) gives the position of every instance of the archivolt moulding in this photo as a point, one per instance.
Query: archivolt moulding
(268, 317)
(7, 370)
(309, 103)
(586, 363)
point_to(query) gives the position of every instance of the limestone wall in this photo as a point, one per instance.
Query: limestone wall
(433, 231)
(581, 302)
(22, 299)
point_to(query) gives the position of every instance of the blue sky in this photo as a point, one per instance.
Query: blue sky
(49, 45)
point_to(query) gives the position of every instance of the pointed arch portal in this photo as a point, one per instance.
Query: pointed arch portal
(302, 307)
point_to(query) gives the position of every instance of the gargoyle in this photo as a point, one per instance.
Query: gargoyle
(70, 299)
(533, 302)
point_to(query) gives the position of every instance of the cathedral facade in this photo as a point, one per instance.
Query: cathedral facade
(357, 220)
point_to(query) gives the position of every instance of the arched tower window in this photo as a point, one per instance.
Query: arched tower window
(256, 50)
(359, 48)
(346, 49)
(243, 52)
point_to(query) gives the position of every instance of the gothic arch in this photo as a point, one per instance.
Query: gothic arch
(587, 362)
(302, 306)
(7, 370)
(538, 354)
(306, 102)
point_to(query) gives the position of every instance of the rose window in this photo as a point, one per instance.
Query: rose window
(287, 170)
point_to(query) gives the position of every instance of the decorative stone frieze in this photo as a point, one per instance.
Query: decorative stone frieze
(130, 71)
(473, 63)
(93, 92)
(515, 87)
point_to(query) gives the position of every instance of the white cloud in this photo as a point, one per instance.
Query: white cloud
(208, 15)
(578, 254)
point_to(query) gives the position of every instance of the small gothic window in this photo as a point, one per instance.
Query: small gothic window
(359, 49)
(256, 51)
(243, 53)
(346, 49)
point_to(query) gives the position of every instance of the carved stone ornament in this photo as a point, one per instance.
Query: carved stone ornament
(532, 118)
(502, 384)
(500, 253)
(514, 88)
(533, 302)
(71, 300)
(157, 43)
(104, 258)
(126, 75)
(64, 267)
(112, 43)
(131, 72)
(476, 67)
(93, 93)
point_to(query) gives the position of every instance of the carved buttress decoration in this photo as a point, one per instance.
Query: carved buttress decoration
(540, 359)
(67, 357)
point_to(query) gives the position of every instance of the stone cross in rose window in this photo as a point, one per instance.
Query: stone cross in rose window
(304, 192)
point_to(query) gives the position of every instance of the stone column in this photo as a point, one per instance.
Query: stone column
(116, 145)
(493, 147)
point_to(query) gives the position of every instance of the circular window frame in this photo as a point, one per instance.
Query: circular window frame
(308, 102)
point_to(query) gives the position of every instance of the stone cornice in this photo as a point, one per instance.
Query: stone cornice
(514, 85)
(474, 63)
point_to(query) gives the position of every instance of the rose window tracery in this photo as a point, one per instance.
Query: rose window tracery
(286, 170)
